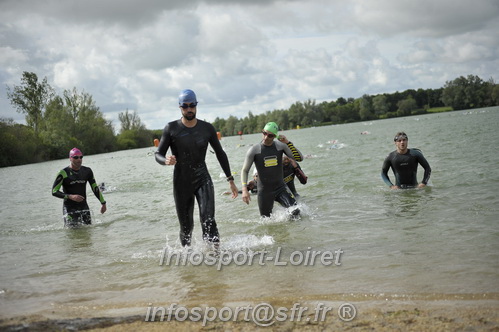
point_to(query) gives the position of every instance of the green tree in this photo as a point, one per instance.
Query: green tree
(406, 106)
(495, 95)
(435, 97)
(348, 113)
(130, 121)
(133, 134)
(366, 108)
(219, 125)
(252, 124)
(465, 93)
(341, 101)
(31, 98)
(283, 120)
(296, 112)
(380, 105)
(230, 126)
(128, 139)
(87, 123)
(330, 112)
(57, 133)
(19, 145)
(261, 122)
(313, 112)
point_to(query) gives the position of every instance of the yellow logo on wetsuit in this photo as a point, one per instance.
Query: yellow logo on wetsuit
(270, 161)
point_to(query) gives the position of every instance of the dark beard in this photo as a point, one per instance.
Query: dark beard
(190, 117)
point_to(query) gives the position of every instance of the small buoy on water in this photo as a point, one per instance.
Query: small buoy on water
(156, 142)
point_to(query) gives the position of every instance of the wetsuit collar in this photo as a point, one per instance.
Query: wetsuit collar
(189, 123)
(263, 142)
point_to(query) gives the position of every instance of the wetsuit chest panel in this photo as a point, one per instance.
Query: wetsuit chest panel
(405, 168)
(189, 145)
(269, 166)
(75, 183)
(192, 142)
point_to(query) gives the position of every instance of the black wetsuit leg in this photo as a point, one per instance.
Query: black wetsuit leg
(190, 184)
(184, 202)
(74, 217)
(287, 199)
(282, 195)
(205, 196)
(291, 186)
(265, 202)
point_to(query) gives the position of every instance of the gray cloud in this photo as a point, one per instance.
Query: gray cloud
(242, 57)
(425, 18)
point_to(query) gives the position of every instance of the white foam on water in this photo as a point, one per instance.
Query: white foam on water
(46, 228)
(279, 215)
(246, 241)
(150, 254)
(229, 244)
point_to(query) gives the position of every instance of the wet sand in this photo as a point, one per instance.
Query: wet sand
(373, 313)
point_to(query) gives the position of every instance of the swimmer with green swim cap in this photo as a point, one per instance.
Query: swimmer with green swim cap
(273, 128)
(267, 157)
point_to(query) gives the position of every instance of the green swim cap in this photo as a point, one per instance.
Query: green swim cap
(272, 127)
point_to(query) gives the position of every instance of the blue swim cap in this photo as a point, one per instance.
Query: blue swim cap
(187, 96)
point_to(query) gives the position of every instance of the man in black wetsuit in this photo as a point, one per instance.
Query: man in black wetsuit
(73, 180)
(404, 163)
(267, 157)
(188, 139)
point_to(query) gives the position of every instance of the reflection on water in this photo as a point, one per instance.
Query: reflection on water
(407, 203)
(78, 237)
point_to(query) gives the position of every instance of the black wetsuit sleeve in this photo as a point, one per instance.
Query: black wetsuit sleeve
(163, 146)
(95, 187)
(296, 153)
(56, 187)
(300, 174)
(426, 166)
(219, 151)
(285, 148)
(384, 170)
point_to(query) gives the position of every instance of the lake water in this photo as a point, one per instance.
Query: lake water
(439, 242)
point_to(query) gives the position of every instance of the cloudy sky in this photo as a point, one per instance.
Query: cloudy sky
(242, 55)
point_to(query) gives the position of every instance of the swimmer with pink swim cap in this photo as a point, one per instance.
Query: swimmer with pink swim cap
(73, 181)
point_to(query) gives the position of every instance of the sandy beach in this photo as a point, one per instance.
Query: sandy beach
(374, 313)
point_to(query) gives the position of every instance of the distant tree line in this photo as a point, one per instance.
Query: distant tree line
(459, 94)
(55, 124)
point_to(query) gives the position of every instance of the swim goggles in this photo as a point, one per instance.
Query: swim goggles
(400, 137)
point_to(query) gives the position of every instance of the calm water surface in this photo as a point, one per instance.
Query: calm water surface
(439, 241)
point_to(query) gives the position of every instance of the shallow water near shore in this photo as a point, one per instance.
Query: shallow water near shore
(441, 242)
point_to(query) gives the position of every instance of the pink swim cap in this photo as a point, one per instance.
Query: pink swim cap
(75, 152)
